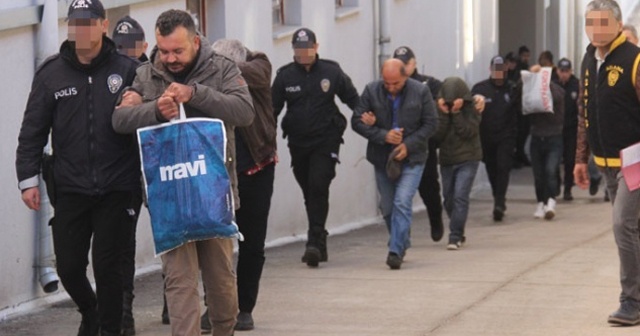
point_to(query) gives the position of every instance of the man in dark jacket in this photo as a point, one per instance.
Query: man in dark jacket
(405, 118)
(571, 86)
(498, 130)
(609, 122)
(96, 171)
(314, 125)
(255, 163)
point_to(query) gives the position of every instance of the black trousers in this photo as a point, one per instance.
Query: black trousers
(129, 256)
(569, 143)
(429, 188)
(255, 201)
(314, 168)
(104, 224)
(498, 160)
(521, 140)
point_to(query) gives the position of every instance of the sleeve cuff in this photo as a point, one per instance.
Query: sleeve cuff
(31, 182)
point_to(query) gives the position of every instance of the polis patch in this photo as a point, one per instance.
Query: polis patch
(114, 82)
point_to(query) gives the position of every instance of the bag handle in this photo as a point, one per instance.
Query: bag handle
(182, 115)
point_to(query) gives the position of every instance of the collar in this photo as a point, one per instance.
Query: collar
(618, 41)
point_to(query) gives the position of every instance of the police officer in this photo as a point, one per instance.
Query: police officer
(571, 86)
(498, 130)
(314, 126)
(130, 40)
(97, 174)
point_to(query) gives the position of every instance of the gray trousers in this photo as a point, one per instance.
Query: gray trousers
(626, 211)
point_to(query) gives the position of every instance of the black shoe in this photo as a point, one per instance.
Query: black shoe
(205, 324)
(594, 184)
(90, 324)
(165, 312)
(312, 256)
(394, 261)
(606, 196)
(128, 323)
(627, 315)
(437, 229)
(567, 196)
(498, 213)
(244, 322)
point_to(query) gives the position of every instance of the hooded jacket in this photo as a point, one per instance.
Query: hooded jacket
(75, 102)
(220, 92)
(458, 132)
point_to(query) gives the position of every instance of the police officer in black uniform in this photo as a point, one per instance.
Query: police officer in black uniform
(314, 126)
(498, 130)
(571, 86)
(96, 171)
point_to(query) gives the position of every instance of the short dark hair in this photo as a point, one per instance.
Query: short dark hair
(523, 49)
(169, 20)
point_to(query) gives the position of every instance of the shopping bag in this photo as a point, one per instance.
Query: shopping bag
(186, 181)
(536, 92)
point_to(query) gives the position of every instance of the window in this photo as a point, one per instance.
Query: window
(277, 11)
(198, 10)
(345, 8)
(339, 3)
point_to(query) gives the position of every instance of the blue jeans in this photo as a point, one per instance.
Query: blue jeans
(396, 204)
(546, 153)
(457, 181)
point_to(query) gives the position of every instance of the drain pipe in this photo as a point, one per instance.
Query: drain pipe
(384, 40)
(45, 262)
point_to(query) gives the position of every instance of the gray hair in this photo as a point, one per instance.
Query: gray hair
(232, 49)
(602, 5)
(631, 29)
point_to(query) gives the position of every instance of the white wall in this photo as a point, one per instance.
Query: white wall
(432, 29)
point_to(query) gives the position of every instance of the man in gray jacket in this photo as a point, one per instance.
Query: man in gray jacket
(405, 118)
(184, 70)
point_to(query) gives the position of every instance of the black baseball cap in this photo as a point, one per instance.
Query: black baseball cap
(405, 54)
(564, 64)
(497, 60)
(127, 32)
(303, 38)
(86, 9)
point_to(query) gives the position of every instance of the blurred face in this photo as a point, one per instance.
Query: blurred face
(564, 74)
(602, 27)
(525, 56)
(85, 33)
(498, 71)
(511, 65)
(135, 50)
(393, 80)
(305, 56)
(410, 67)
(178, 50)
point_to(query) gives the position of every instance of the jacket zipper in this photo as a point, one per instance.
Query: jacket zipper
(92, 145)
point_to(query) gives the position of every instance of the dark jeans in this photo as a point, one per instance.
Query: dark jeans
(498, 160)
(314, 168)
(521, 139)
(255, 201)
(569, 139)
(104, 224)
(546, 153)
(429, 188)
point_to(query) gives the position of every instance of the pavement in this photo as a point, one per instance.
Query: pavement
(521, 276)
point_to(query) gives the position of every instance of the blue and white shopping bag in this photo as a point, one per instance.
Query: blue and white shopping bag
(187, 186)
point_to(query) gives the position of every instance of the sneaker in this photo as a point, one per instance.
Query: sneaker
(594, 184)
(550, 209)
(205, 324)
(244, 322)
(394, 261)
(539, 211)
(455, 245)
(437, 229)
(627, 315)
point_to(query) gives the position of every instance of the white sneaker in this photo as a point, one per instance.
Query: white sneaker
(550, 209)
(539, 211)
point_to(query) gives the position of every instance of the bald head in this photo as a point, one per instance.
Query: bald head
(394, 75)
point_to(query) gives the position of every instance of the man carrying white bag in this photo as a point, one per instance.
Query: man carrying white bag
(184, 70)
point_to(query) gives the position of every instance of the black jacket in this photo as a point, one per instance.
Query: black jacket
(75, 102)
(571, 91)
(502, 105)
(312, 114)
(433, 84)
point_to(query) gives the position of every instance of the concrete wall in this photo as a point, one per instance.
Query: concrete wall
(435, 30)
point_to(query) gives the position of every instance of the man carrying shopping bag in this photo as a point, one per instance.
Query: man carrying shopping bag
(184, 70)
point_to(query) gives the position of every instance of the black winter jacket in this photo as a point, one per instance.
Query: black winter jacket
(75, 102)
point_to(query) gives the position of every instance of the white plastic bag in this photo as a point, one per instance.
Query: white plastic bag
(536, 92)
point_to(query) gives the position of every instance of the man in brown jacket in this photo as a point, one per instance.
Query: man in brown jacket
(184, 70)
